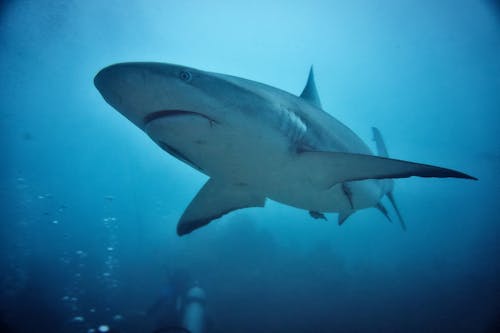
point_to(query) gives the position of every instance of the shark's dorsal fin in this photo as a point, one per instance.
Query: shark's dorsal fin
(310, 92)
(214, 200)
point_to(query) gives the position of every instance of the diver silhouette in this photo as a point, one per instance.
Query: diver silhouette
(181, 307)
(166, 310)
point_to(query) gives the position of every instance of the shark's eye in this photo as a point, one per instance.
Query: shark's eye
(185, 76)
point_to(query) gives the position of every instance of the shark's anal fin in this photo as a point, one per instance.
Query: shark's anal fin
(393, 202)
(310, 92)
(326, 169)
(213, 201)
(317, 215)
(383, 210)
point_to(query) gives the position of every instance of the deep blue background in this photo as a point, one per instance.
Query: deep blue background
(426, 73)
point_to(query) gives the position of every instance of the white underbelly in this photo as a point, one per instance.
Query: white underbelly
(260, 160)
(220, 151)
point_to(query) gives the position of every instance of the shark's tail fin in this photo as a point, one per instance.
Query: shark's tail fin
(389, 183)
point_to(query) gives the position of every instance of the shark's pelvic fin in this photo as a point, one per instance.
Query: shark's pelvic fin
(317, 215)
(214, 200)
(393, 202)
(379, 142)
(327, 169)
(310, 92)
(343, 216)
(348, 193)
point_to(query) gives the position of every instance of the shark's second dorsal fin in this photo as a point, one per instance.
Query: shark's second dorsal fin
(310, 92)
(379, 141)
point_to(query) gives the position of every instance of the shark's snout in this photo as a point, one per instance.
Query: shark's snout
(105, 77)
(109, 82)
(139, 89)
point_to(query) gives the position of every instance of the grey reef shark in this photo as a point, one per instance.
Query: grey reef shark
(255, 142)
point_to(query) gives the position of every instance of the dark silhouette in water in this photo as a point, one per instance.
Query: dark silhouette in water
(167, 308)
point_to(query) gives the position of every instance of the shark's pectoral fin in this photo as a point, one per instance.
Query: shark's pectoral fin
(214, 200)
(326, 169)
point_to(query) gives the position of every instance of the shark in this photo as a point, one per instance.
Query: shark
(256, 142)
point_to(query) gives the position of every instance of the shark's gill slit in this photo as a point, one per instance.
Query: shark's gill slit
(173, 113)
(177, 154)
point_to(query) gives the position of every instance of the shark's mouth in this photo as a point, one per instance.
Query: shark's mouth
(174, 113)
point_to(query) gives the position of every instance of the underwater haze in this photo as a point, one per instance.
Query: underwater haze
(90, 204)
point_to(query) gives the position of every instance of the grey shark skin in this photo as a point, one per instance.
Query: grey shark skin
(255, 142)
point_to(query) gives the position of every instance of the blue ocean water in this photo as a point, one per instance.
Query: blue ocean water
(90, 204)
